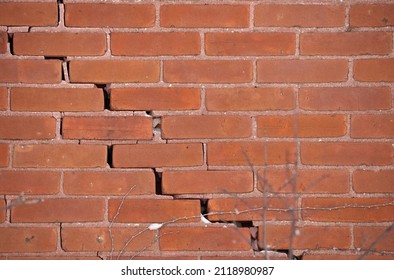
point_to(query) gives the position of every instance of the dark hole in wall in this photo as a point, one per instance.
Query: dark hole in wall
(107, 91)
(109, 155)
(158, 180)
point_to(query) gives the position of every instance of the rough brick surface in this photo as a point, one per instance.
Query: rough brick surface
(372, 126)
(27, 127)
(364, 236)
(3, 41)
(374, 70)
(28, 239)
(378, 15)
(365, 181)
(4, 155)
(3, 99)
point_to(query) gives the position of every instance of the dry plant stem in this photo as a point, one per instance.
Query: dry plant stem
(20, 201)
(377, 240)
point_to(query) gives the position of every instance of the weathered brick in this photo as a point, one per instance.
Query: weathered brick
(365, 236)
(28, 239)
(3, 41)
(3, 99)
(329, 256)
(374, 15)
(4, 155)
(27, 127)
(373, 181)
(372, 126)
(2, 211)
(374, 70)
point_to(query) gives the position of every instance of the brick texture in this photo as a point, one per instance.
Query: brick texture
(3, 99)
(20, 127)
(28, 240)
(378, 15)
(4, 155)
(365, 181)
(3, 41)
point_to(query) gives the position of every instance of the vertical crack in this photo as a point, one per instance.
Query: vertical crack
(109, 155)
(107, 91)
(158, 180)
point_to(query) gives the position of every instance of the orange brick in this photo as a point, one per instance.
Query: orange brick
(114, 71)
(57, 99)
(346, 153)
(3, 99)
(329, 256)
(109, 183)
(4, 155)
(374, 15)
(302, 71)
(60, 155)
(2, 210)
(207, 71)
(249, 99)
(374, 70)
(212, 181)
(229, 16)
(157, 155)
(155, 43)
(27, 127)
(371, 181)
(365, 236)
(186, 127)
(3, 41)
(148, 99)
(372, 126)
(60, 210)
(256, 43)
(153, 210)
(109, 15)
(59, 43)
(345, 98)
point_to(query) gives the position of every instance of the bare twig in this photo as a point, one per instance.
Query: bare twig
(21, 200)
(377, 240)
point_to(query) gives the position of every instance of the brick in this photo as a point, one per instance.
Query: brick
(4, 155)
(57, 99)
(256, 43)
(186, 127)
(114, 71)
(3, 41)
(28, 239)
(2, 210)
(60, 155)
(109, 15)
(346, 153)
(27, 127)
(204, 239)
(61, 210)
(107, 128)
(328, 256)
(372, 126)
(158, 155)
(330, 181)
(29, 182)
(29, 14)
(155, 43)
(153, 211)
(161, 99)
(3, 99)
(271, 256)
(109, 183)
(272, 15)
(86, 239)
(345, 98)
(208, 71)
(374, 70)
(352, 210)
(302, 71)
(30, 71)
(346, 43)
(249, 99)
(374, 15)
(302, 126)
(365, 236)
(205, 16)
(249, 153)
(212, 181)
(373, 181)
(305, 237)
(59, 43)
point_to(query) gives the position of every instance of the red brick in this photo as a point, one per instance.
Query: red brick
(212, 181)
(29, 182)
(30, 71)
(329, 256)
(85, 239)
(204, 239)
(109, 183)
(346, 43)
(249, 153)
(249, 99)
(345, 98)
(155, 43)
(154, 257)
(109, 15)
(302, 126)
(371, 181)
(330, 181)
(302, 71)
(305, 237)
(60, 155)
(3, 99)
(28, 14)
(28, 239)
(3, 41)
(186, 127)
(229, 16)
(208, 71)
(352, 210)
(374, 15)
(372, 126)
(4, 155)
(27, 127)
(299, 15)
(374, 70)
(157, 155)
(2, 210)
(60, 210)
(346, 153)
(364, 237)
(253, 256)
(148, 99)
(114, 71)
(107, 128)
(57, 99)
(52, 257)
(59, 43)
(256, 43)
(153, 210)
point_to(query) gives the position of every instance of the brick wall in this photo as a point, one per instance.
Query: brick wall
(196, 129)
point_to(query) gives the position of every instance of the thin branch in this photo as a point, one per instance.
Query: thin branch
(21, 200)
(377, 240)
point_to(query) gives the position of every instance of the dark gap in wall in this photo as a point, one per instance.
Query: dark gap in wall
(287, 252)
(11, 41)
(61, 126)
(60, 1)
(204, 207)
(244, 224)
(109, 155)
(107, 91)
(149, 113)
(62, 58)
(158, 180)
